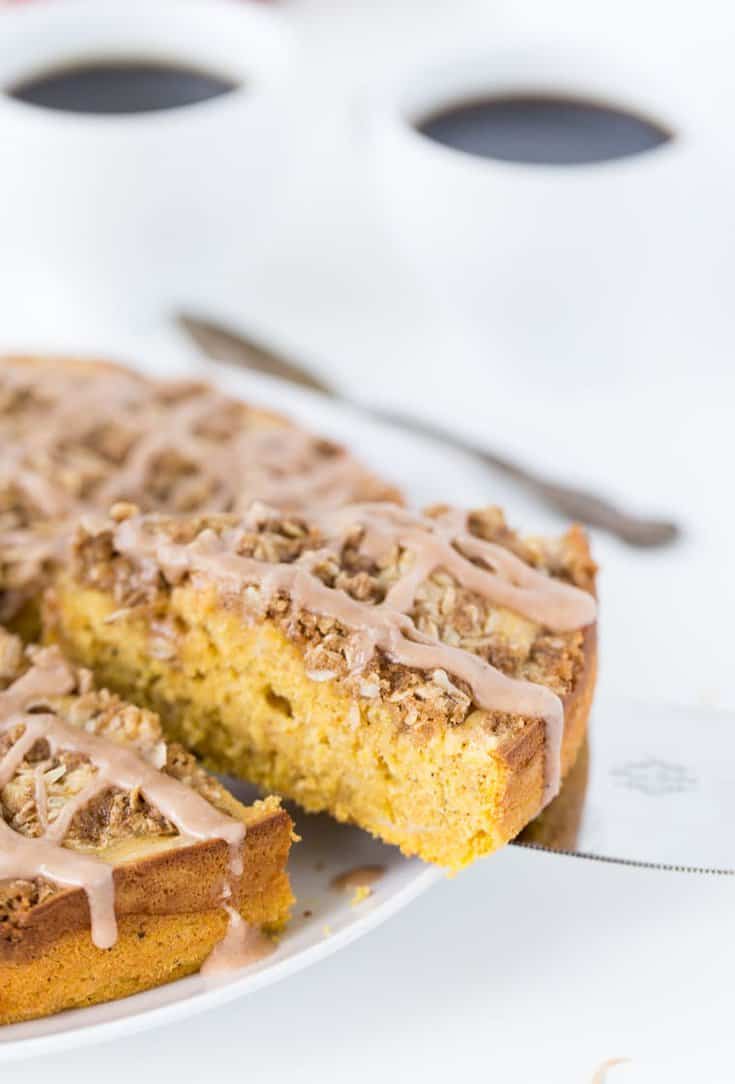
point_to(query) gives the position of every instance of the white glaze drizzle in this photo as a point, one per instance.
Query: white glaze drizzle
(277, 461)
(48, 458)
(24, 858)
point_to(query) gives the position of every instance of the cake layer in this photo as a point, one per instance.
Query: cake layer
(123, 863)
(76, 436)
(427, 678)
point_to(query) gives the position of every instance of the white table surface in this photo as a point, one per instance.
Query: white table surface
(527, 967)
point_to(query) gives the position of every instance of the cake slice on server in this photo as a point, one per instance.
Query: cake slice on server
(427, 677)
(123, 863)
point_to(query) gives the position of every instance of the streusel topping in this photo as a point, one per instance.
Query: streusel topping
(76, 438)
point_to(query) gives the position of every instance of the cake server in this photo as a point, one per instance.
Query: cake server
(655, 788)
(224, 344)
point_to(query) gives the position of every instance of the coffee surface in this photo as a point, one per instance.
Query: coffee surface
(543, 130)
(120, 87)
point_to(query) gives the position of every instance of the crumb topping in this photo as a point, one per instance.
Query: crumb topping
(76, 438)
(442, 609)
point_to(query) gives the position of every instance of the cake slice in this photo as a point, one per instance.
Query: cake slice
(123, 864)
(425, 677)
(76, 436)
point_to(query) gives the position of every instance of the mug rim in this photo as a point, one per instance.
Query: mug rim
(468, 76)
(49, 36)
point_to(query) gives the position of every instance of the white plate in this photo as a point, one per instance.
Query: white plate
(324, 919)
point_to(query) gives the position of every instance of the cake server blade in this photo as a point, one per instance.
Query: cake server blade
(654, 787)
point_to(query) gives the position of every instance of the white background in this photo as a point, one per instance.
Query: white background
(528, 967)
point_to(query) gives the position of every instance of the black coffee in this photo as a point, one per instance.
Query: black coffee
(120, 87)
(544, 130)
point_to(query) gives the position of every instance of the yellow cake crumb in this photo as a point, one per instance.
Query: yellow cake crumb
(362, 892)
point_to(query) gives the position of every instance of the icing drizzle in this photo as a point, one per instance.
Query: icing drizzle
(116, 766)
(240, 452)
(82, 439)
(446, 542)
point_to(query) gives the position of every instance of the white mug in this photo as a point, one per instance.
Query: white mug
(124, 215)
(555, 277)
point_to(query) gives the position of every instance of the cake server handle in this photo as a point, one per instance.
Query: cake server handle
(223, 344)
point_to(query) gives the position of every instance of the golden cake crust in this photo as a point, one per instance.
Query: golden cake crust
(151, 950)
(180, 880)
(524, 755)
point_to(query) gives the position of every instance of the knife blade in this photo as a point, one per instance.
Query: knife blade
(223, 344)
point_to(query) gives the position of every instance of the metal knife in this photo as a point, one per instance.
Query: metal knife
(224, 344)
